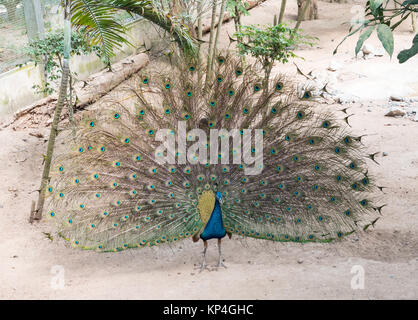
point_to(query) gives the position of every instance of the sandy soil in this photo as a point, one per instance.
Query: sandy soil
(388, 253)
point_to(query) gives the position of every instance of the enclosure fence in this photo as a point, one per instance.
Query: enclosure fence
(22, 21)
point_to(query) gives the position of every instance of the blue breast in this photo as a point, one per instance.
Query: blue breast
(214, 228)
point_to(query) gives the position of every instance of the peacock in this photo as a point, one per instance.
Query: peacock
(172, 157)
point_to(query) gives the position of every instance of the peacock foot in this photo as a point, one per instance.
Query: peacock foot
(203, 266)
(221, 264)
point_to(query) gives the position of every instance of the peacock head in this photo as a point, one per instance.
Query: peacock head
(219, 196)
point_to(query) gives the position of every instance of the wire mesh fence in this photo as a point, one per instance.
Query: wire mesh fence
(21, 21)
(13, 33)
(24, 20)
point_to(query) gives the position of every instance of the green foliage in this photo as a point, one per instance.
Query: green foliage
(385, 35)
(363, 37)
(404, 55)
(380, 17)
(50, 51)
(98, 19)
(271, 43)
(235, 7)
(99, 24)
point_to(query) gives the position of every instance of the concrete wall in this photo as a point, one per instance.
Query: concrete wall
(16, 85)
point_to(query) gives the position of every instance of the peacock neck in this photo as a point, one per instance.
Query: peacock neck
(214, 228)
(217, 211)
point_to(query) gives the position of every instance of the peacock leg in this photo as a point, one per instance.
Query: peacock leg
(220, 263)
(205, 247)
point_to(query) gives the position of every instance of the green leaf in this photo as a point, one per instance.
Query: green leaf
(404, 55)
(374, 4)
(347, 36)
(385, 36)
(363, 37)
(99, 25)
(409, 2)
(98, 20)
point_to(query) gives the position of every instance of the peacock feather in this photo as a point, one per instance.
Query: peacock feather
(115, 186)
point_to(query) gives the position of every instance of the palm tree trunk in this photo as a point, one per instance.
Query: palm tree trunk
(37, 214)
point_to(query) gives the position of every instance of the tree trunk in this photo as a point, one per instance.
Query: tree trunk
(237, 24)
(200, 39)
(282, 10)
(307, 10)
(218, 31)
(37, 215)
(212, 32)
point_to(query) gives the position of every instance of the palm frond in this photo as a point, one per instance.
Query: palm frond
(98, 21)
(99, 25)
(171, 24)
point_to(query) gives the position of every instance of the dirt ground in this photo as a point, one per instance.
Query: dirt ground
(388, 253)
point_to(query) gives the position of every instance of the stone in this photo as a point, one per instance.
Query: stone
(368, 49)
(368, 56)
(395, 112)
(36, 134)
(394, 97)
(346, 98)
(334, 66)
(147, 43)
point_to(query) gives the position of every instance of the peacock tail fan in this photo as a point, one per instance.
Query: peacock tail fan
(143, 168)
